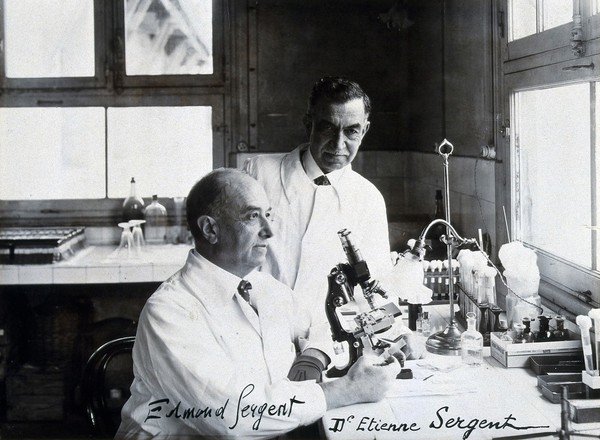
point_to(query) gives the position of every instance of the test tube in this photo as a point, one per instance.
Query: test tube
(585, 323)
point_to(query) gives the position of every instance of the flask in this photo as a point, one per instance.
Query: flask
(156, 222)
(438, 249)
(133, 206)
(471, 343)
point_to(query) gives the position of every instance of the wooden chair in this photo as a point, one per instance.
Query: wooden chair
(102, 398)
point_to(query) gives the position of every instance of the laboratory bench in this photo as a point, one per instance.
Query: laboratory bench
(446, 399)
(100, 264)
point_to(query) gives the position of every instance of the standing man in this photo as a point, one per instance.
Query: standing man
(212, 353)
(315, 193)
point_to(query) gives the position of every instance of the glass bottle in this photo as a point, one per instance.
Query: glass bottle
(559, 334)
(156, 222)
(414, 312)
(419, 323)
(527, 334)
(543, 333)
(519, 329)
(133, 206)
(425, 325)
(438, 248)
(471, 343)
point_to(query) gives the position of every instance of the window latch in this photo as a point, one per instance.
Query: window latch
(579, 66)
(505, 128)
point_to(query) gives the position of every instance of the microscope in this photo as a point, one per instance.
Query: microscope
(365, 331)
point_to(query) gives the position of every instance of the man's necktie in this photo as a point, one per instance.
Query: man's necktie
(244, 291)
(322, 180)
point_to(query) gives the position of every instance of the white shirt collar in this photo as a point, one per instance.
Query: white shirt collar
(200, 271)
(313, 171)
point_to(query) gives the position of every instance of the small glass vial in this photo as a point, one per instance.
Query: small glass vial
(425, 324)
(414, 310)
(527, 334)
(471, 343)
(543, 333)
(519, 337)
(559, 334)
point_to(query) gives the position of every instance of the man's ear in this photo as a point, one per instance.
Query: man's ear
(208, 228)
(307, 121)
(367, 125)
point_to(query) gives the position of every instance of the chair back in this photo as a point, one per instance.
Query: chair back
(103, 396)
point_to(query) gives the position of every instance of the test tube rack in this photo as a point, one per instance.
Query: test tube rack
(437, 281)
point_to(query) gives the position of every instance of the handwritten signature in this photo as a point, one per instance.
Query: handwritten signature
(372, 424)
(162, 408)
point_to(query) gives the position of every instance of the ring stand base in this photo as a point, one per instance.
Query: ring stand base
(446, 342)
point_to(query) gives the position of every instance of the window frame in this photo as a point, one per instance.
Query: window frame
(106, 90)
(214, 79)
(105, 211)
(109, 57)
(100, 48)
(538, 61)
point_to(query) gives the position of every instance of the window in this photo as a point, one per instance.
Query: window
(73, 159)
(94, 92)
(554, 196)
(170, 160)
(168, 37)
(46, 39)
(552, 168)
(43, 153)
(528, 17)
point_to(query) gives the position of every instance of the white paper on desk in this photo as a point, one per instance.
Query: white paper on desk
(436, 385)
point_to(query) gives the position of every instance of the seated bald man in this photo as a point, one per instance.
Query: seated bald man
(216, 341)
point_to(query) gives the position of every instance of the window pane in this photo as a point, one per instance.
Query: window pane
(555, 173)
(49, 38)
(51, 153)
(166, 149)
(523, 16)
(168, 37)
(557, 12)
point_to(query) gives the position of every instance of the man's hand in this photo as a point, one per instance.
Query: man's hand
(367, 381)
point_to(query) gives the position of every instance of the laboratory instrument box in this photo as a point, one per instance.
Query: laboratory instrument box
(512, 355)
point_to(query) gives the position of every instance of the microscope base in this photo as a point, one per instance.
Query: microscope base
(446, 342)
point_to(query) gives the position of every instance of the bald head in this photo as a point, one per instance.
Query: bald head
(213, 194)
(229, 216)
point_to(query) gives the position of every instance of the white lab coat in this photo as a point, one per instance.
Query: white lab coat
(201, 346)
(305, 246)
